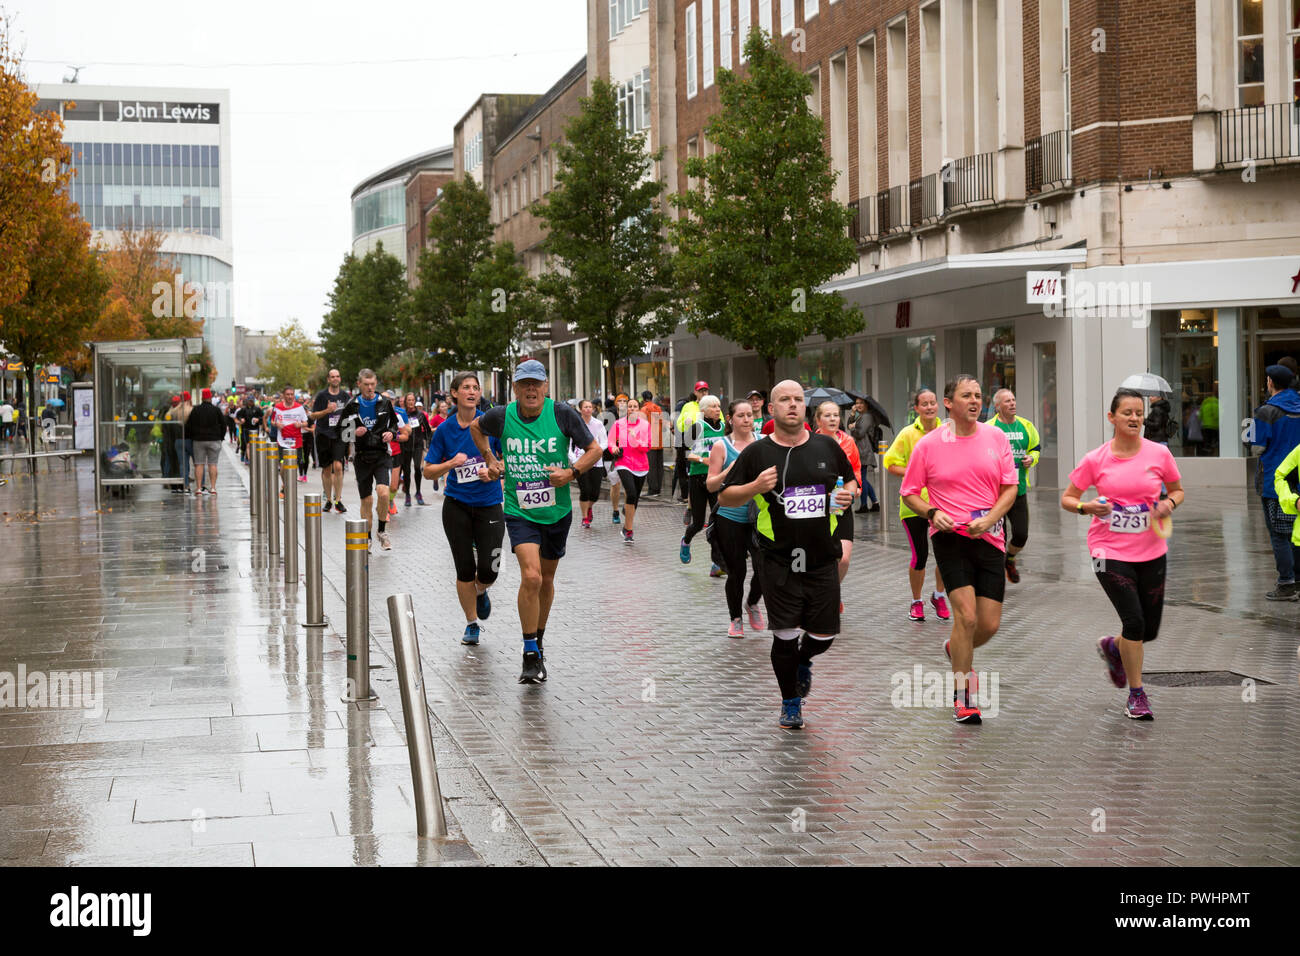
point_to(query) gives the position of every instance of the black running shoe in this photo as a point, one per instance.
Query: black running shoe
(328, 505)
(533, 672)
(338, 506)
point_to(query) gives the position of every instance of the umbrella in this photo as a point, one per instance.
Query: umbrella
(815, 396)
(877, 410)
(55, 402)
(1147, 383)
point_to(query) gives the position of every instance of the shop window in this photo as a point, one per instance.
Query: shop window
(1045, 372)
(1189, 361)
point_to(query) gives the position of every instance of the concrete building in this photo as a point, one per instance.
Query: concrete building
(380, 202)
(250, 349)
(159, 157)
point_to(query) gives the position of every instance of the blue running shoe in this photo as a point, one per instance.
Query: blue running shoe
(792, 713)
(685, 553)
(803, 680)
(615, 517)
(471, 634)
(484, 605)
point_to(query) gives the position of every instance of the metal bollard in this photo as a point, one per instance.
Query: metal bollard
(429, 819)
(255, 478)
(315, 582)
(289, 472)
(254, 490)
(272, 500)
(358, 600)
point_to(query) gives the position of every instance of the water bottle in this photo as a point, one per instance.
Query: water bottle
(837, 509)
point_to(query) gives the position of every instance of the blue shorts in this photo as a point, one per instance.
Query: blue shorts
(551, 537)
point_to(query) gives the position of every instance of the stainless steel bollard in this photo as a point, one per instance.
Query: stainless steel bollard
(429, 819)
(358, 600)
(256, 479)
(254, 492)
(289, 472)
(311, 516)
(271, 457)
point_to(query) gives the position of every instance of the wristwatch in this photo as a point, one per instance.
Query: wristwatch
(1079, 508)
(929, 515)
(574, 469)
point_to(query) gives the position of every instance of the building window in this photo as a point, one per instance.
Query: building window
(546, 172)
(536, 180)
(706, 28)
(809, 9)
(765, 16)
(1045, 372)
(897, 99)
(623, 12)
(691, 80)
(634, 103)
(1293, 40)
(515, 186)
(724, 33)
(1250, 53)
(742, 23)
(839, 126)
(787, 16)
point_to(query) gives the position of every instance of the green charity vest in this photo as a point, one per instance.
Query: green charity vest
(704, 444)
(526, 450)
(1022, 439)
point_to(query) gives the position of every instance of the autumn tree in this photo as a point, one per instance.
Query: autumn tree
(291, 358)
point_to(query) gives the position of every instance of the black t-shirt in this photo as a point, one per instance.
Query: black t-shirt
(322, 402)
(566, 416)
(805, 478)
(250, 416)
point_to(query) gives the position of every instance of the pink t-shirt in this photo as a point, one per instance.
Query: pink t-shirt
(964, 475)
(1132, 485)
(635, 442)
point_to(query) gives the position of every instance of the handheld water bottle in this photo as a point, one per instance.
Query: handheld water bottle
(837, 508)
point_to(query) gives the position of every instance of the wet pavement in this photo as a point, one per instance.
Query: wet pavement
(223, 741)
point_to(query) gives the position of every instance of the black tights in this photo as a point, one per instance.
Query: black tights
(411, 464)
(1137, 589)
(789, 655)
(735, 541)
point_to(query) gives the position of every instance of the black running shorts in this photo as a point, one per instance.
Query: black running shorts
(808, 599)
(970, 562)
(371, 471)
(330, 450)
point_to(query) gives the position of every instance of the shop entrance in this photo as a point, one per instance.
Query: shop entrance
(1274, 333)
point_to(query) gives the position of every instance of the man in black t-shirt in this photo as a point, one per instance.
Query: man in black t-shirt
(331, 449)
(249, 417)
(369, 418)
(791, 476)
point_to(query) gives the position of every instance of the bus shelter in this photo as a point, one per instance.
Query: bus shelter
(137, 442)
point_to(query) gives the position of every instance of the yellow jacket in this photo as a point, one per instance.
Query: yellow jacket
(899, 453)
(1285, 496)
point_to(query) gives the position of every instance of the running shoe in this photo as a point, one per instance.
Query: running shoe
(685, 553)
(338, 506)
(940, 606)
(737, 629)
(483, 604)
(532, 672)
(1138, 707)
(803, 680)
(716, 572)
(1114, 663)
(392, 510)
(966, 714)
(384, 542)
(756, 622)
(627, 536)
(792, 713)
(615, 517)
(328, 505)
(419, 498)
(471, 634)
(586, 521)
(1013, 573)
(408, 501)
(302, 478)
(841, 607)
(917, 613)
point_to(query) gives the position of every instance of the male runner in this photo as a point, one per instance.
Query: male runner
(374, 424)
(535, 433)
(1024, 449)
(331, 449)
(967, 467)
(792, 478)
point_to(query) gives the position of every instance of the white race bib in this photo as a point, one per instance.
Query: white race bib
(1129, 519)
(805, 501)
(980, 513)
(286, 442)
(534, 494)
(469, 471)
(334, 420)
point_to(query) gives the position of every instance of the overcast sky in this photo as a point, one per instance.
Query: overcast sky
(321, 96)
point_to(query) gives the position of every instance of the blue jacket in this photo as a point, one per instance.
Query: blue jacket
(1277, 430)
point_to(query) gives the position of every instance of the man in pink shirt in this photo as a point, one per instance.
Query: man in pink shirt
(971, 476)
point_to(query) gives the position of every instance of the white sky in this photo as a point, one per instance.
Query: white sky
(307, 120)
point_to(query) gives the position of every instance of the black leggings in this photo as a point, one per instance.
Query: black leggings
(918, 536)
(412, 457)
(736, 542)
(1137, 589)
(702, 500)
(1018, 519)
(302, 458)
(631, 486)
(470, 529)
(589, 485)
(681, 481)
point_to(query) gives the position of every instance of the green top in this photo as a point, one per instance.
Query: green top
(1024, 446)
(1210, 412)
(704, 445)
(526, 449)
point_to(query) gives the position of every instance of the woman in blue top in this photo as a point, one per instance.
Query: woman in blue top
(733, 527)
(471, 507)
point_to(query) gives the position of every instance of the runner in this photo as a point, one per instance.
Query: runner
(1127, 552)
(966, 466)
(250, 423)
(654, 416)
(684, 429)
(437, 418)
(413, 450)
(791, 478)
(828, 424)
(289, 416)
(589, 481)
(710, 429)
(1025, 450)
(535, 433)
(371, 420)
(615, 487)
(471, 510)
(629, 439)
(395, 452)
(757, 401)
(733, 526)
(331, 449)
(918, 529)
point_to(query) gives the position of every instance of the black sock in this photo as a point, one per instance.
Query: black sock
(810, 647)
(382, 525)
(785, 663)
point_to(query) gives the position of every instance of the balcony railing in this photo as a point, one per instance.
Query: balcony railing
(861, 227)
(924, 199)
(1259, 132)
(892, 210)
(968, 180)
(1047, 161)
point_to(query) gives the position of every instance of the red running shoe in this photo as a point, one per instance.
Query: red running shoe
(917, 612)
(940, 606)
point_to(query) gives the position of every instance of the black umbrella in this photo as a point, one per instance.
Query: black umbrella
(813, 397)
(875, 408)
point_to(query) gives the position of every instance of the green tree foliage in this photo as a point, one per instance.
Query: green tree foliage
(291, 359)
(606, 233)
(763, 231)
(362, 327)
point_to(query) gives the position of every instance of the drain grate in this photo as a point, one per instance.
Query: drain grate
(1198, 678)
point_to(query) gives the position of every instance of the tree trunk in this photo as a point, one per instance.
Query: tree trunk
(30, 401)
(770, 362)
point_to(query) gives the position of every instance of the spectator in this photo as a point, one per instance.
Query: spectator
(204, 429)
(1159, 421)
(867, 433)
(184, 444)
(6, 421)
(1276, 428)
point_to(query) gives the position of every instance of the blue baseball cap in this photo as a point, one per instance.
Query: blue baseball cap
(531, 369)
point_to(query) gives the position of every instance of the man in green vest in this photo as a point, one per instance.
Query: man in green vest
(535, 433)
(1025, 450)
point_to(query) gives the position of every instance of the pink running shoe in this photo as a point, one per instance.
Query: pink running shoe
(940, 606)
(1114, 663)
(756, 622)
(1137, 706)
(947, 648)
(737, 629)
(917, 613)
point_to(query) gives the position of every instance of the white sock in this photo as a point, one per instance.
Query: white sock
(938, 594)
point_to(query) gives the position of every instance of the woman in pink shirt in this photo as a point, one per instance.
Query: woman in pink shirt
(629, 441)
(1125, 536)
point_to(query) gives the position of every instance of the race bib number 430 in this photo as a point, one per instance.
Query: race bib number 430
(805, 501)
(534, 494)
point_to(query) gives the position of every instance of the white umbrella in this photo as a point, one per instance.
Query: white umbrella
(1148, 383)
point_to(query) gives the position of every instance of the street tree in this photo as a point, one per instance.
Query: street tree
(292, 358)
(762, 231)
(362, 327)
